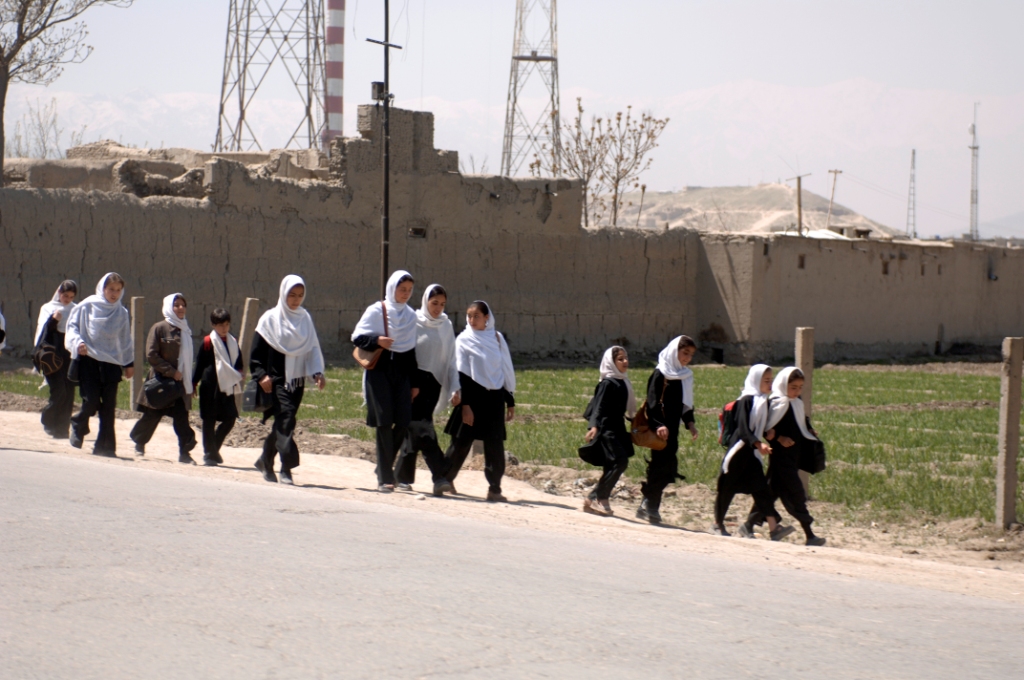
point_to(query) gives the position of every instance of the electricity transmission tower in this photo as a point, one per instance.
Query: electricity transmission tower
(265, 36)
(974, 175)
(912, 199)
(534, 53)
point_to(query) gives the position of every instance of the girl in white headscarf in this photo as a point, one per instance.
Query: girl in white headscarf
(388, 385)
(435, 384)
(742, 470)
(488, 384)
(285, 351)
(50, 331)
(609, 442)
(99, 338)
(791, 438)
(169, 353)
(669, 405)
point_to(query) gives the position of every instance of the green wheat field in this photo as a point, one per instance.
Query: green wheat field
(897, 442)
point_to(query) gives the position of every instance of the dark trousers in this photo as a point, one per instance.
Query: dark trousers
(146, 425)
(609, 478)
(389, 439)
(662, 469)
(494, 459)
(281, 439)
(56, 416)
(214, 435)
(421, 436)
(785, 484)
(745, 476)
(98, 397)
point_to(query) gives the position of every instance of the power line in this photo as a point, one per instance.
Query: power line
(900, 197)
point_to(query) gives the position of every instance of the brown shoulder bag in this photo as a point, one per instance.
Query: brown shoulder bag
(365, 357)
(641, 431)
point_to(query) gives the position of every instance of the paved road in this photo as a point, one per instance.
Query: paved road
(114, 572)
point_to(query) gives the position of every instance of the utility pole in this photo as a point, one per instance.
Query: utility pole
(382, 93)
(912, 199)
(835, 176)
(974, 175)
(799, 202)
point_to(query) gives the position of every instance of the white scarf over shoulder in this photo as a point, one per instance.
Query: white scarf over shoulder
(47, 310)
(435, 349)
(103, 327)
(668, 364)
(780, 403)
(610, 370)
(401, 318)
(3, 327)
(292, 333)
(225, 354)
(185, 353)
(758, 411)
(484, 356)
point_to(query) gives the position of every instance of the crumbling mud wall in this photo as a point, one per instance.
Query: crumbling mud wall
(222, 227)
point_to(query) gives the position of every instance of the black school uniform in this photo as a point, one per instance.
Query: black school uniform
(97, 383)
(664, 408)
(784, 474)
(264, 360)
(421, 434)
(607, 412)
(488, 426)
(214, 406)
(388, 402)
(746, 473)
(56, 416)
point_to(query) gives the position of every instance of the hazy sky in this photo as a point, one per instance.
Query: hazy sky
(755, 90)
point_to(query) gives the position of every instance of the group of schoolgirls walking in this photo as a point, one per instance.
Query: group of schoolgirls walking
(767, 420)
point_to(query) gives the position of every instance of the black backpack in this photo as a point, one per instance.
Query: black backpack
(727, 424)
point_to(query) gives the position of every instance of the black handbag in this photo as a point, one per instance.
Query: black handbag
(47, 359)
(161, 392)
(254, 399)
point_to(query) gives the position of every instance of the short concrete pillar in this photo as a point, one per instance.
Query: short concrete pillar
(250, 315)
(804, 355)
(139, 343)
(1009, 432)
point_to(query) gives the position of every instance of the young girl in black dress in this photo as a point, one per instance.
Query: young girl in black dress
(285, 351)
(614, 402)
(51, 330)
(488, 386)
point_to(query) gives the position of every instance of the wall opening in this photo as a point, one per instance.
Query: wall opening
(801, 260)
(940, 270)
(718, 355)
(766, 250)
(922, 270)
(417, 232)
(885, 268)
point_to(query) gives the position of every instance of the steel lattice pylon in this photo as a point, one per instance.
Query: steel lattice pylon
(534, 51)
(267, 34)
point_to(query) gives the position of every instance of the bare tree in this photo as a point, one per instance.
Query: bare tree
(39, 135)
(630, 140)
(37, 38)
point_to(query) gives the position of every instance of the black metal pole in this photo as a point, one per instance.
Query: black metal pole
(384, 223)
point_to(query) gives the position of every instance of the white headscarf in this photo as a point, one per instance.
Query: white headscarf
(610, 370)
(47, 310)
(758, 411)
(780, 403)
(435, 349)
(105, 328)
(484, 356)
(668, 364)
(225, 354)
(293, 334)
(185, 353)
(401, 318)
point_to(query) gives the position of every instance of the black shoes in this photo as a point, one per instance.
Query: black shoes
(268, 473)
(442, 487)
(815, 541)
(140, 449)
(648, 512)
(209, 462)
(75, 440)
(286, 477)
(781, 531)
(105, 454)
(186, 459)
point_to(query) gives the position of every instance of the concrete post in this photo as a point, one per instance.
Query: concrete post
(250, 315)
(139, 343)
(1009, 432)
(805, 362)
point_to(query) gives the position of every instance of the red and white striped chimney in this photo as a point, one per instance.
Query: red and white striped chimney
(335, 69)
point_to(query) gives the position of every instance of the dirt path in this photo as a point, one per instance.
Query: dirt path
(934, 566)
